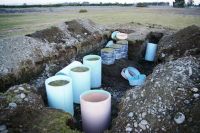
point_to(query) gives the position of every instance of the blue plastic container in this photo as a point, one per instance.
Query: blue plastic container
(113, 35)
(131, 72)
(81, 81)
(150, 52)
(109, 44)
(95, 65)
(137, 81)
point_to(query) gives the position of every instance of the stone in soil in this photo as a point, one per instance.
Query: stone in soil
(2, 128)
(179, 118)
(12, 105)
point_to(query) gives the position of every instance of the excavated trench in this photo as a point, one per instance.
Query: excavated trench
(112, 80)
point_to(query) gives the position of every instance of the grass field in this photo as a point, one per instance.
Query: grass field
(24, 23)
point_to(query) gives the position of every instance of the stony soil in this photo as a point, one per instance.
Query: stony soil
(171, 87)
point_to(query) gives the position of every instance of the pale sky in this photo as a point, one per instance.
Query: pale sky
(13, 2)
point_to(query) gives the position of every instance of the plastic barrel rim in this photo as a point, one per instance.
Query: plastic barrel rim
(137, 81)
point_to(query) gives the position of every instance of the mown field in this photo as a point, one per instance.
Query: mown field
(12, 24)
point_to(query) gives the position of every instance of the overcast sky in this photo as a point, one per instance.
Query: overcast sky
(13, 2)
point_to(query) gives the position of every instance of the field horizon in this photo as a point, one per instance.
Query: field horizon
(23, 22)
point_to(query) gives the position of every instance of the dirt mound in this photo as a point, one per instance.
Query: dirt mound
(51, 35)
(22, 110)
(183, 43)
(172, 87)
(24, 57)
(77, 29)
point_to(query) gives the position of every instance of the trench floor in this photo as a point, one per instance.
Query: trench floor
(113, 82)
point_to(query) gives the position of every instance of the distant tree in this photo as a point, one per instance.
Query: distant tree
(190, 2)
(141, 4)
(179, 3)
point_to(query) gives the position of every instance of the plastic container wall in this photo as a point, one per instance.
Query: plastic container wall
(81, 81)
(94, 63)
(60, 97)
(66, 70)
(95, 111)
(108, 56)
(150, 52)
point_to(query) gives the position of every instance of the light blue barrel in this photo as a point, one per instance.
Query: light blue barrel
(95, 65)
(150, 52)
(66, 70)
(113, 35)
(131, 72)
(81, 81)
(138, 80)
(109, 44)
(59, 93)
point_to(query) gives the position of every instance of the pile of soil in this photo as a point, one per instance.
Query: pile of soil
(51, 35)
(183, 43)
(77, 29)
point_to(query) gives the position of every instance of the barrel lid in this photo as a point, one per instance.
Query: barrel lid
(121, 36)
(122, 42)
(116, 46)
(107, 50)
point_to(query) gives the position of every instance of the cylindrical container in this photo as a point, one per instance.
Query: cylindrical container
(66, 70)
(138, 80)
(150, 51)
(118, 51)
(121, 36)
(94, 63)
(59, 93)
(109, 44)
(131, 72)
(124, 44)
(81, 81)
(95, 110)
(108, 56)
(113, 35)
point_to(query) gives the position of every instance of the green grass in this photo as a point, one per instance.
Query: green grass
(21, 24)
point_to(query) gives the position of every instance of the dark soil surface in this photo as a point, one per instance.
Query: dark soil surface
(185, 42)
(51, 35)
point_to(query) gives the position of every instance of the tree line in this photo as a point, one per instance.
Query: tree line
(177, 3)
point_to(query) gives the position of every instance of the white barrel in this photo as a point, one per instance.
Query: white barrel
(121, 36)
(108, 56)
(81, 81)
(66, 70)
(59, 93)
(150, 52)
(94, 63)
(95, 111)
